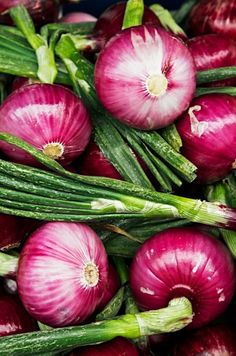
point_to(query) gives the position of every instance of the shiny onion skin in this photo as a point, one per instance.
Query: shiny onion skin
(110, 21)
(10, 231)
(116, 347)
(151, 80)
(13, 317)
(184, 262)
(50, 117)
(41, 11)
(112, 286)
(62, 273)
(208, 132)
(215, 340)
(213, 16)
(213, 51)
(76, 17)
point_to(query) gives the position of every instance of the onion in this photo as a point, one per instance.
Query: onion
(76, 17)
(184, 262)
(213, 16)
(213, 340)
(19, 82)
(13, 317)
(41, 11)
(110, 21)
(11, 235)
(208, 133)
(151, 80)
(50, 117)
(62, 273)
(94, 163)
(213, 51)
(113, 283)
(116, 347)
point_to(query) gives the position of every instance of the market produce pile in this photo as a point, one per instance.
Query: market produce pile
(118, 179)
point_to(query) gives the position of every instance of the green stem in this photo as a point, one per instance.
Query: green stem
(171, 135)
(113, 306)
(8, 265)
(133, 13)
(176, 316)
(181, 14)
(212, 75)
(47, 70)
(167, 20)
(229, 237)
(222, 90)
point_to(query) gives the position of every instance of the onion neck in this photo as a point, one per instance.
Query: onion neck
(156, 84)
(53, 149)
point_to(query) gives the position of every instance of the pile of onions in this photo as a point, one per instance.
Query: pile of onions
(213, 51)
(184, 262)
(10, 230)
(212, 340)
(116, 347)
(13, 317)
(213, 16)
(50, 117)
(208, 133)
(62, 273)
(110, 22)
(41, 11)
(151, 80)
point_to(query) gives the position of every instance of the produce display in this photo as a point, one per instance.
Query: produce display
(118, 178)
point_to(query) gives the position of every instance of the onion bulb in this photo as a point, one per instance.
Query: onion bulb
(49, 117)
(151, 80)
(62, 273)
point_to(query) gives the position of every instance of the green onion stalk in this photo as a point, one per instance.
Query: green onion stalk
(225, 192)
(93, 198)
(176, 316)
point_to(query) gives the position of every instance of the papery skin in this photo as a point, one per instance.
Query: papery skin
(208, 133)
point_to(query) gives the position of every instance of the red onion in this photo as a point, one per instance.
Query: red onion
(76, 17)
(62, 273)
(213, 340)
(11, 235)
(19, 82)
(151, 80)
(13, 317)
(41, 11)
(184, 262)
(116, 347)
(110, 21)
(50, 117)
(113, 283)
(208, 132)
(213, 51)
(213, 16)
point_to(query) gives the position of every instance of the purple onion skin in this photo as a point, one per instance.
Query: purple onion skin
(209, 135)
(151, 80)
(213, 16)
(211, 341)
(77, 17)
(10, 227)
(13, 317)
(41, 11)
(213, 51)
(51, 277)
(113, 284)
(116, 347)
(110, 21)
(184, 262)
(41, 114)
